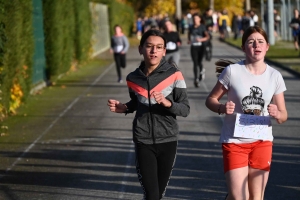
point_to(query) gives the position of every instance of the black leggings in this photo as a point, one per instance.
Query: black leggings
(197, 53)
(154, 164)
(120, 60)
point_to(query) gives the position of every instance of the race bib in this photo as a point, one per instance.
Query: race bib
(252, 126)
(119, 48)
(171, 46)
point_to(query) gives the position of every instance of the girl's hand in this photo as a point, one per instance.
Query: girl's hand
(116, 106)
(160, 99)
(273, 110)
(229, 107)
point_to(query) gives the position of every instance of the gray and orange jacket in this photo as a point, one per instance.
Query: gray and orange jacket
(154, 123)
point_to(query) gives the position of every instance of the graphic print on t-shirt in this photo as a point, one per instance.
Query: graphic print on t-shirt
(253, 104)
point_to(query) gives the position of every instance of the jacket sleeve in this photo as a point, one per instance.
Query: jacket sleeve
(132, 104)
(126, 44)
(180, 104)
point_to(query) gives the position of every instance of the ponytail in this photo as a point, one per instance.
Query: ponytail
(221, 65)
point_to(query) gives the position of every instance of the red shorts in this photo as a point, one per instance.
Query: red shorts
(256, 155)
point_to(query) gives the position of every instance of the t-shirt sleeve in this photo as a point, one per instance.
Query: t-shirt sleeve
(224, 77)
(280, 85)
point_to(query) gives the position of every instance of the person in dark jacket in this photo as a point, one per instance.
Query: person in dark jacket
(158, 95)
(197, 35)
(173, 42)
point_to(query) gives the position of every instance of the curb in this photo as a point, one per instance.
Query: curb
(277, 64)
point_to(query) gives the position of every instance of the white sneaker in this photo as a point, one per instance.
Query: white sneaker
(202, 75)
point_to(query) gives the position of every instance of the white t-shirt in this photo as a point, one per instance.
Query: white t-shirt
(248, 92)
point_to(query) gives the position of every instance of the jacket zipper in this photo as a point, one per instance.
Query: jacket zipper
(150, 109)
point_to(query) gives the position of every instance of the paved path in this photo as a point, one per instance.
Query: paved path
(82, 151)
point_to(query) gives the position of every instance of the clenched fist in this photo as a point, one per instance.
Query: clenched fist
(229, 107)
(272, 110)
(116, 106)
(160, 99)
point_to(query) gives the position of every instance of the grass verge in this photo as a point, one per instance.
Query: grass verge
(51, 99)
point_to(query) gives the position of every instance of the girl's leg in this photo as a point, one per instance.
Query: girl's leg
(235, 163)
(146, 168)
(117, 58)
(201, 54)
(246, 168)
(257, 183)
(237, 183)
(169, 56)
(259, 162)
(123, 60)
(194, 55)
(176, 57)
(296, 45)
(165, 163)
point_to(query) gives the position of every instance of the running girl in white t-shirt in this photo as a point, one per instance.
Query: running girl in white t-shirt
(252, 88)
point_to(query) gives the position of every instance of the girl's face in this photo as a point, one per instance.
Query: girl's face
(210, 12)
(118, 30)
(197, 20)
(255, 47)
(169, 26)
(153, 50)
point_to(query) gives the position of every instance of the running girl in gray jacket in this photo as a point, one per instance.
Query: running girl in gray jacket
(158, 95)
(119, 47)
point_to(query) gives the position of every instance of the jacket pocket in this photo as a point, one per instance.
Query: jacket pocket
(165, 126)
(141, 127)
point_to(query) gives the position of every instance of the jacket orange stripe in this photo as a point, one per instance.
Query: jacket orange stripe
(167, 82)
(140, 90)
(162, 85)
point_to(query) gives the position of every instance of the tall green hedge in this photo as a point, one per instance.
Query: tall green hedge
(17, 59)
(67, 31)
(59, 36)
(83, 31)
(3, 40)
(67, 28)
(119, 13)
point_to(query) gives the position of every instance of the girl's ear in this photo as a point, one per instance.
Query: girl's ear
(164, 54)
(140, 50)
(268, 46)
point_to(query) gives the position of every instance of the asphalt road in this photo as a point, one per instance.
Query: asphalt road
(84, 152)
